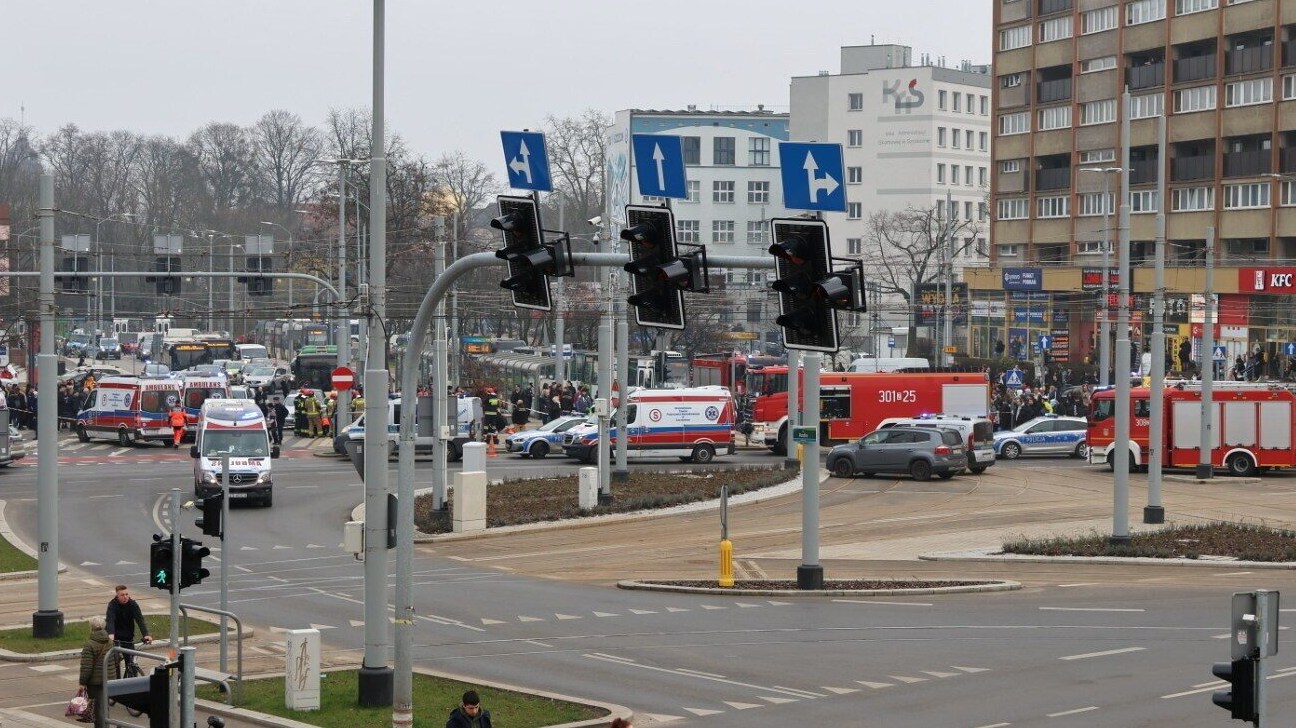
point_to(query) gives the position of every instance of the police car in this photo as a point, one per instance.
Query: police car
(544, 439)
(1047, 435)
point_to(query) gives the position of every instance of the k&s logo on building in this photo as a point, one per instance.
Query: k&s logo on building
(906, 100)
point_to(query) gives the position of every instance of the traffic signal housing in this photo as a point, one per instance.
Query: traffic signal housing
(161, 558)
(531, 261)
(810, 292)
(192, 553)
(167, 282)
(80, 266)
(258, 284)
(660, 274)
(147, 694)
(210, 520)
(1240, 700)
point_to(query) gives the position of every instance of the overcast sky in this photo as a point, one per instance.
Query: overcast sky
(457, 72)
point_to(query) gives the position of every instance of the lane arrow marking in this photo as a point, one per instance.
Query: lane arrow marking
(827, 184)
(523, 166)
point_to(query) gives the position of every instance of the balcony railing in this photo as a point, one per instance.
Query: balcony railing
(1056, 90)
(1195, 68)
(1249, 60)
(1142, 173)
(1183, 169)
(1054, 178)
(1247, 164)
(1053, 6)
(1287, 160)
(1146, 76)
(1289, 53)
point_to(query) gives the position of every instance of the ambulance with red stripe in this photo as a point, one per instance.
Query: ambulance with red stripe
(196, 390)
(234, 427)
(694, 424)
(128, 410)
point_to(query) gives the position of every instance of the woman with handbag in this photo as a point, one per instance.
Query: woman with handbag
(92, 672)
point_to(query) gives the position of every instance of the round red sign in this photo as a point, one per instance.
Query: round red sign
(343, 378)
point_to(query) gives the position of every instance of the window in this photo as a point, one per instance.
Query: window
(1015, 208)
(855, 138)
(1011, 80)
(1098, 112)
(958, 98)
(954, 138)
(1147, 105)
(1246, 93)
(855, 102)
(694, 190)
(954, 174)
(953, 211)
(1014, 38)
(1091, 156)
(981, 176)
(983, 141)
(1055, 117)
(723, 151)
(983, 211)
(722, 231)
(1091, 204)
(967, 210)
(1059, 206)
(967, 175)
(1287, 193)
(1142, 201)
(756, 232)
(854, 175)
(967, 139)
(1144, 11)
(940, 136)
(1096, 21)
(1243, 196)
(1010, 166)
(854, 210)
(1088, 247)
(1097, 64)
(758, 193)
(759, 152)
(1009, 250)
(692, 150)
(1055, 29)
(1187, 199)
(1188, 100)
(854, 246)
(985, 105)
(940, 174)
(686, 231)
(722, 191)
(1018, 123)
(1183, 7)
(942, 99)
(1289, 88)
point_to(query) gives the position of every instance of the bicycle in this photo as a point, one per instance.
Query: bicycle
(132, 670)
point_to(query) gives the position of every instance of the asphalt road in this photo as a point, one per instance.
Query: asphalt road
(1081, 644)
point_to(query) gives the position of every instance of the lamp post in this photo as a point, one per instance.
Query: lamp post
(99, 266)
(288, 263)
(230, 320)
(1104, 343)
(342, 413)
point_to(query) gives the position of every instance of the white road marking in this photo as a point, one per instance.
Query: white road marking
(874, 685)
(1104, 653)
(937, 673)
(886, 604)
(606, 614)
(699, 672)
(995, 725)
(907, 679)
(840, 691)
(926, 517)
(524, 618)
(567, 616)
(1071, 712)
(110, 495)
(47, 668)
(676, 609)
(971, 669)
(703, 712)
(1236, 573)
(1079, 583)
(1088, 609)
(491, 621)
(671, 671)
(119, 452)
(322, 626)
(777, 701)
(642, 611)
(740, 706)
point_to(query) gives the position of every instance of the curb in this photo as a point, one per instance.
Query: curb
(8, 535)
(989, 586)
(202, 639)
(988, 556)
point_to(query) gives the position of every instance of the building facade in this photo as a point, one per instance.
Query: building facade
(1222, 74)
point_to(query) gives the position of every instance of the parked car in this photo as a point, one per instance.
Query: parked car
(108, 348)
(1047, 435)
(977, 432)
(544, 439)
(919, 451)
(155, 370)
(264, 376)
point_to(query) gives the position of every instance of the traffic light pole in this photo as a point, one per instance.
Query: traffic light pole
(225, 556)
(810, 573)
(173, 636)
(47, 621)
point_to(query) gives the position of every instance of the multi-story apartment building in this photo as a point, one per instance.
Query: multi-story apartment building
(911, 135)
(1222, 73)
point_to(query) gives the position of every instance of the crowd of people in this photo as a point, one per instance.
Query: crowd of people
(1012, 407)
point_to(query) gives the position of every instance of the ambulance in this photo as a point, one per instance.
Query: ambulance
(693, 424)
(236, 427)
(195, 391)
(128, 410)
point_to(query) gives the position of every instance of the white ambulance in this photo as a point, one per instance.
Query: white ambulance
(693, 424)
(236, 427)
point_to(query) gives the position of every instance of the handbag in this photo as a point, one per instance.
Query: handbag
(78, 705)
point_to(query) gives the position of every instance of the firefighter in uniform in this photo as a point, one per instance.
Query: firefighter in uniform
(491, 414)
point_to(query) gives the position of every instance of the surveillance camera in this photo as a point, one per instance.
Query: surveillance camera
(596, 220)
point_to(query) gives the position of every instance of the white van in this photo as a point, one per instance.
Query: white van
(977, 432)
(247, 352)
(237, 427)
(888, 364)
(468, 422)
(694, 424)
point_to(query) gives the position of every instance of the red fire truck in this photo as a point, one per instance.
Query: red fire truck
(1252, 430)
(729, 369)
(851, 404)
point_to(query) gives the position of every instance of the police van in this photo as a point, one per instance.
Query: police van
(128, 410)
(236, 427)
(694, 424)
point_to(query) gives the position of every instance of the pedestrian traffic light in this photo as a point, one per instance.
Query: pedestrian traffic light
(192, 553)
(210, 520)
(530, 259)
(1240, 699)
(659, 276)
(809, 291)
(160, 562)
(80, 266)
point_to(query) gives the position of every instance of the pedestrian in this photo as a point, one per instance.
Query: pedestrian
(279, 411)
(521, 407)
(311, 406)
(177, 421)
(120, 620)
(620, 723)
(92, 673)
(470, 714)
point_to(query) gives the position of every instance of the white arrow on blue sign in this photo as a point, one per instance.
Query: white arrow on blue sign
(1290, 348)
(1044, 342)
(659, 165)
(1220, 354)
(812, 176)
(526, 160)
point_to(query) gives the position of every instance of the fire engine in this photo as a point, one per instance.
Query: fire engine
(1252, 430)
(729, 369)
(851, 404)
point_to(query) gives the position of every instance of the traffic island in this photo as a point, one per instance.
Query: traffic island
(831, 587)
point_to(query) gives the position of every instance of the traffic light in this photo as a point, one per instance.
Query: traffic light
(530, 259)
(160, 562)
(257, 282)
(79, 283)
(167, 283)
(192, 553)
(210, 520)
(1240, 699)
(143, 695)
(660, 276)
(809, 291)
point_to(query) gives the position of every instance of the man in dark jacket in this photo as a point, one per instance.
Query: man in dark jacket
(120, 620)
(470, 714)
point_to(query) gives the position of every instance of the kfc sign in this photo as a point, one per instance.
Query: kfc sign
(1267, 280)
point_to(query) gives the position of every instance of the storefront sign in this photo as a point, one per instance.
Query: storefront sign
(930, 300)
(1023, 279)
(1091, 278)
(1267, 280)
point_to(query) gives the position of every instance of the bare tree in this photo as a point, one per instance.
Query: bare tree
(283, 151)
(464, 185)
(19, 167)
(224, 155)
(577, 147)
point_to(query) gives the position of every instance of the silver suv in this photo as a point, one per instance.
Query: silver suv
(919, 451)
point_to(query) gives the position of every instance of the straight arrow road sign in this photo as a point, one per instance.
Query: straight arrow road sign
(659, 165)
(526, 160)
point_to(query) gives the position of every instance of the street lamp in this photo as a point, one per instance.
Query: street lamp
(288, 264)
(99, 266)
(1104, 345)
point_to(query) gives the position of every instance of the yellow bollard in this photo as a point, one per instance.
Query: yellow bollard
(726, 563)
(801, 453)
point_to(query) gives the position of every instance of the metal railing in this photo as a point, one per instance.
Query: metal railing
(230, 696)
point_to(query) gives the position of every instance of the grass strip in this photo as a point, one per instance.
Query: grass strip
(75, 634)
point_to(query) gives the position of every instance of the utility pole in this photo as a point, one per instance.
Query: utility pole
(1206, 466)
(1121, 454)
(947, 256)
(1154, 512)
(342, 413)
(48, 620)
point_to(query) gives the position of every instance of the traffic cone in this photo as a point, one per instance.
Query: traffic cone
(490, 446)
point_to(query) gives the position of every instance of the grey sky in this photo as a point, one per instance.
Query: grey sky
(457, 72)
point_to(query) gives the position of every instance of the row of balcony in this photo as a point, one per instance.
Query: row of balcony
(1184, 168)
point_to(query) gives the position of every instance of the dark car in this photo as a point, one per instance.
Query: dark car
(919, 451)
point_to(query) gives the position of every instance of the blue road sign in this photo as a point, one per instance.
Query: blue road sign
(1220, 354)
(1012, 378)
(659, 165)
(890, 342)
(526, 160)
(1290, 348)
(1044, 342)
(813, 176)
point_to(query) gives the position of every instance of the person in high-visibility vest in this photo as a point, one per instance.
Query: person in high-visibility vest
(177, 421)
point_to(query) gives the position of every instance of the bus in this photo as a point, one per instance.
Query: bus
(313, 367)
(183, 354)
(219, 348)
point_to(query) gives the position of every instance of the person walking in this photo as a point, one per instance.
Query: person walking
(521, 407)
(92, 673)
(177, 421)
(311, 406)
(276, 415)
(470, 714)
(120, 619)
